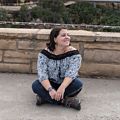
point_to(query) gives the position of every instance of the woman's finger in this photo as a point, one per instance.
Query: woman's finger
(58, 96)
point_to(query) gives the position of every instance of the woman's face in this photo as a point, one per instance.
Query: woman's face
(63, 39)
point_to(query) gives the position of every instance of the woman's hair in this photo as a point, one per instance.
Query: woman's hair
(53, 34)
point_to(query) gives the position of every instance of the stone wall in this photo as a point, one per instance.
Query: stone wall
(37, 25)
(100, 51)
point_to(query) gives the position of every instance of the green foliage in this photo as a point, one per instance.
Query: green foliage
(49, 11)
(36, 12)
(110, 17)
(52, 5)
(54, 11)
(52, 17)
(66, 17)
(45, 15)
(4, 16)
(24, 14)
(83, 12)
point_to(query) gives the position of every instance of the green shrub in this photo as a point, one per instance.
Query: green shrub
(84, 12)
(37, 12)
(110, 17)
(54, 11)
(53, 5)
(4, 16)
(24, 14)
(49, 11)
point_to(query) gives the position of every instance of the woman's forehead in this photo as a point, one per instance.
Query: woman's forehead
(63, 31)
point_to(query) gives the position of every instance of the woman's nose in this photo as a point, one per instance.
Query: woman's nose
(68, 37)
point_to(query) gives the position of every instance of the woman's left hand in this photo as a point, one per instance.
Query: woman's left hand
(60, 93)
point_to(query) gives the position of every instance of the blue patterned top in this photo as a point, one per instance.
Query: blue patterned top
(57, 67)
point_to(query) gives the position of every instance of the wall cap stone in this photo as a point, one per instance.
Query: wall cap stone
(44, 33)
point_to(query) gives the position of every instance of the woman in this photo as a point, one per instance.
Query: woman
(58, 65)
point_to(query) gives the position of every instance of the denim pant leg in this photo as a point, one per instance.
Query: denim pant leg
(74, 88)
(40, 91)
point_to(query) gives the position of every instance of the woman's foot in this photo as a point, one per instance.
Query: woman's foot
(72, 102)
(40, 101)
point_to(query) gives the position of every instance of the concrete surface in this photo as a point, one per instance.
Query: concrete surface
(100, 100)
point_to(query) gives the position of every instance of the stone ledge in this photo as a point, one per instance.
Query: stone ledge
(77, 35)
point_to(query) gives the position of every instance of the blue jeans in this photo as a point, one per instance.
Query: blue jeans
(72, 90)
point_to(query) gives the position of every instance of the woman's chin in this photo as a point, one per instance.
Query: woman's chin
(66, 45)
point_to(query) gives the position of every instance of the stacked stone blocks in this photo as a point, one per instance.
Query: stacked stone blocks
(100, 51)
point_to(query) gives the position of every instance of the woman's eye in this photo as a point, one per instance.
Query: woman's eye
(63, 35)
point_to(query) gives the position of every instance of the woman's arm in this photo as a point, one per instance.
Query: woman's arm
(74, 66)
(61, 89)
(46, 84)
(43, 74)
(70, 75)
(66, 82)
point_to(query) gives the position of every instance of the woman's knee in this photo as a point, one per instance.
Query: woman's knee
(35, 86)
(78, 83)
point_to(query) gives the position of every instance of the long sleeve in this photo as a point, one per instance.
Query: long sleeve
(42, 67)
(74, 66)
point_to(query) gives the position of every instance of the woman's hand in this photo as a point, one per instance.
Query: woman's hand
(52, 93)
(60, 93)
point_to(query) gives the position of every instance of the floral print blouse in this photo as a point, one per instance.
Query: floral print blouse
(57, 67)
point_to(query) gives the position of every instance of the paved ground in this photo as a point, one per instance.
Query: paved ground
(100, 100)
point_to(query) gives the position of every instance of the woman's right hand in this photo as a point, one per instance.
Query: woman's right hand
(53, 93)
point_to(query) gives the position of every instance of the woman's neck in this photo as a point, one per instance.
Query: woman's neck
(59, 50)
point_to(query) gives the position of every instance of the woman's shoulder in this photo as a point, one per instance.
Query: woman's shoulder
(70, 51)
(46, 49)
(45, 52)
(70, 48)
